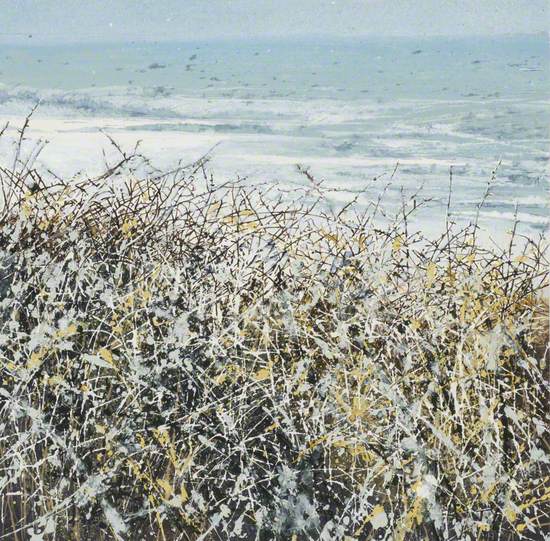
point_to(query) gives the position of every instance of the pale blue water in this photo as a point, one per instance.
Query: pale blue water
(389, 68)
(349, 109)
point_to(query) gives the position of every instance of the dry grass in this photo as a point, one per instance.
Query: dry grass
(181, 360)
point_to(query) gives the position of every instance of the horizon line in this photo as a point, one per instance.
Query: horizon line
(25, 41)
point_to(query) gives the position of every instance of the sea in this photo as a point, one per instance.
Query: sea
(366, 117)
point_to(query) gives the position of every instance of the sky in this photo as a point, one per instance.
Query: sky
(42, 21)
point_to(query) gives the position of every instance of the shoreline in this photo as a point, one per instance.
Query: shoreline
(77, 145)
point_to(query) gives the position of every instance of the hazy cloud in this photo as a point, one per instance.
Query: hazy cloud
(74, 20)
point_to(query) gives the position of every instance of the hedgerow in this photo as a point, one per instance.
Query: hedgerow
(186, 360)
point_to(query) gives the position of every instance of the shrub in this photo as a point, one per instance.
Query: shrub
(185, 360)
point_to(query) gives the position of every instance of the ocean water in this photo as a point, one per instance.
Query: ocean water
(355, 112)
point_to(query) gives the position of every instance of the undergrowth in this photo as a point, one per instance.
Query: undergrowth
(186, 360)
